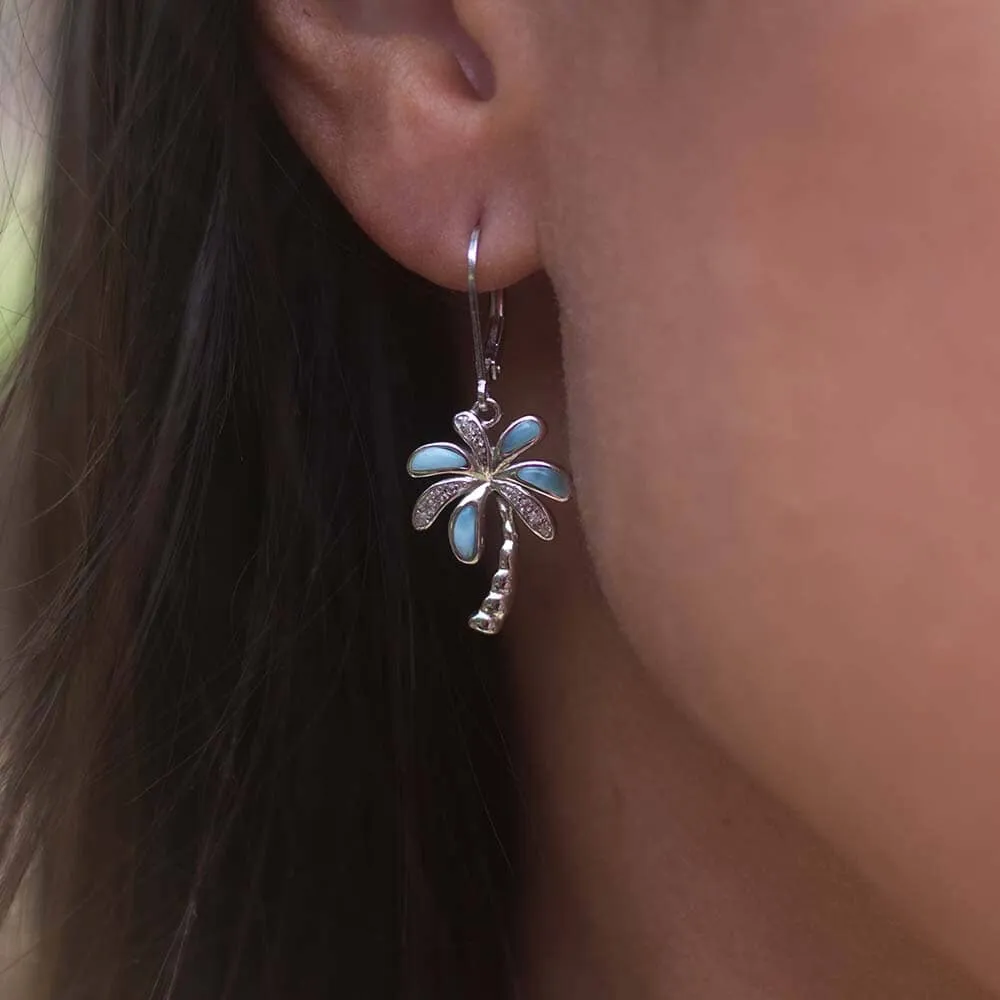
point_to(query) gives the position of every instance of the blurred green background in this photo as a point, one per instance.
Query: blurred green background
(24, 58)
(17, 270)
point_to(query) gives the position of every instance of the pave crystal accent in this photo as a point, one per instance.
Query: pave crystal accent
(435, 498)
(471, 431)
(534, 515)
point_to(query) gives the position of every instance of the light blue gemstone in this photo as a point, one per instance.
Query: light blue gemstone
(547, 478)
(465, 532)
(521, 434)
(434, 458)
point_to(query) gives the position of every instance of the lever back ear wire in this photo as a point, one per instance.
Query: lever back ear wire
(477, 469)
(487, 354)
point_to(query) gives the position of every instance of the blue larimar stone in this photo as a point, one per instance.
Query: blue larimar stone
(465, 532)
(520, 435)
(431, 459)
(546, 478)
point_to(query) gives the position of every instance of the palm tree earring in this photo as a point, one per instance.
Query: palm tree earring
(480, 470)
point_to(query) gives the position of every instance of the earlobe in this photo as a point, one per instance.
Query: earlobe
(388, 102)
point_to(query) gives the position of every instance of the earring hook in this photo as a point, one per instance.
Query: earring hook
(487, 353)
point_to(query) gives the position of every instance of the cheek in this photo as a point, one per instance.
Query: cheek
(778, 269)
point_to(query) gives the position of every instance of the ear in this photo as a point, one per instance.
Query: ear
(419, 115)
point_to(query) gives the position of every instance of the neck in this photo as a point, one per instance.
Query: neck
(655, 866)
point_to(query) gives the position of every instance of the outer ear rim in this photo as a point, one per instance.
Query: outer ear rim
(416, 157)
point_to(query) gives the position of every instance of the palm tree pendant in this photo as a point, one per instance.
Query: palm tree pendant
(476, 472)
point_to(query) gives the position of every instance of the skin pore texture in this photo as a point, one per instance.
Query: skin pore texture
(759, 678)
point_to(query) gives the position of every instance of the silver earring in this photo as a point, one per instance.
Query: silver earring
(481, 469)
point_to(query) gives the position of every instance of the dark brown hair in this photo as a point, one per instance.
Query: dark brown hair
(250, 749)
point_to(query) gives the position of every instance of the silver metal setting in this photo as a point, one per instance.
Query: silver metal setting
(479, 469)
(486, 353)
